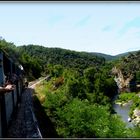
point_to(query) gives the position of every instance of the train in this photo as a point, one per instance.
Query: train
(9, 98)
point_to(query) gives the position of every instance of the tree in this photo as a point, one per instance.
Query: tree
(138, 77)
(75, 88)
(79, 119)
(89, 75)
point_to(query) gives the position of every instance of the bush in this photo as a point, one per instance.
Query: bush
(79, 119)
(58, 82)
(126, 97)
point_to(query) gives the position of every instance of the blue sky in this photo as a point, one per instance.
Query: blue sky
(105, 27)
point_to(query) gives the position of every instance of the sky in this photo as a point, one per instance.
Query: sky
(105, 27)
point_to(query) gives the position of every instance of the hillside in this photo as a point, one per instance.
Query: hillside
(130, 65)
(77, 94)
(106, 56)
(112, 57)
(124, 54)
(67, 58)
(35, 59)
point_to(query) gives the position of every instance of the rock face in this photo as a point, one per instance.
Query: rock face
(136, 117)
(122, 82)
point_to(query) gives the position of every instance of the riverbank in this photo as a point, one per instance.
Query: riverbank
(124, 103)
(136, 117)
(130, 107)
(122, 109)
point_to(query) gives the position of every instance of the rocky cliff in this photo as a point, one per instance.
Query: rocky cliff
(121, 80)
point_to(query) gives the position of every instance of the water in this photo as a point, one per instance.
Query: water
(123, 111)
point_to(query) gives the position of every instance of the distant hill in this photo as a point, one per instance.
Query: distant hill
(106, 56)
(112, 57)
(35, 59)
(124, 54)
(130, 64)
(67, 58)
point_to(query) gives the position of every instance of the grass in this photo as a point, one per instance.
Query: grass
(125, 97)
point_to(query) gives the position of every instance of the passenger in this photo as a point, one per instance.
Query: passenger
(9, 85)
(14, 78)
(26, 84)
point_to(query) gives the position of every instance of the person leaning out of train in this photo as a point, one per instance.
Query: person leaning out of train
(9, 85)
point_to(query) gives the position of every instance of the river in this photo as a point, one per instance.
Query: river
(123, 111)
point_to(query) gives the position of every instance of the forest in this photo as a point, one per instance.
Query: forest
(77, 95)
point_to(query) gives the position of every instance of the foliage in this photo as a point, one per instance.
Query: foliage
(136, 104)
(55, 70)
(66, 58)
(80, 119)
(136, 132)
(75, 88)
(79, 114)
(89, 76)
(99, 98)
(125, 97)
(129, 64)
(138, 76)
(31, 66)
(9, 49)
(78, 96)
(58, 82)
(54, 101)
